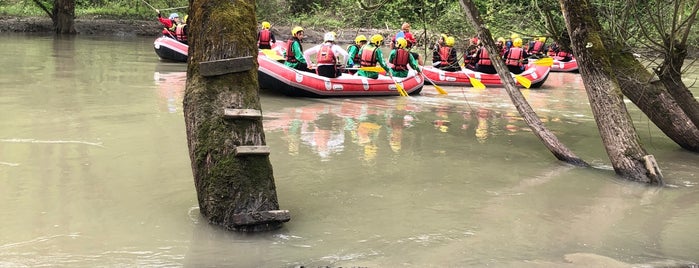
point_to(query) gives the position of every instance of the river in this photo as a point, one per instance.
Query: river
(94, 172)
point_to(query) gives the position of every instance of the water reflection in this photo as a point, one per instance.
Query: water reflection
(170, 88)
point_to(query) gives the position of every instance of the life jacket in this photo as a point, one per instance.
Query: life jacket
(356, 55)
(400, 61)
(290, 56)
(563, 54)
(265, 37)
(538, 46)
(483, 58)
(180, 33)
(368, 56)
(514, 56)
(444, 53)
(326, 55)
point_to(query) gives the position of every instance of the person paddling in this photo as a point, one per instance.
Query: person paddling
(370, 55)
(170, 23)
(401, 58)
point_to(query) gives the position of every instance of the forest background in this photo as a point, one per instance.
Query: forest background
(348, 18)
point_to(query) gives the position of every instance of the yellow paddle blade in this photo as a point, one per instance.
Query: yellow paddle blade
(271, 54)
(523, 81)
(476, 83)
(439, 89)
(371, 69)
(544, 62)
(401, 90)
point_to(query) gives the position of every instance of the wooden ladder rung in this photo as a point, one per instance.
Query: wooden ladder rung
(229, 113)
(251, 150)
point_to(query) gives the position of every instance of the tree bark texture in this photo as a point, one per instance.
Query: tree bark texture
(229, 187)
(559, 150)
(616, 128)
(670, 74)
(654, 100)
(64, 16)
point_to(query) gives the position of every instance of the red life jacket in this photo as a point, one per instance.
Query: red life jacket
(483, 58)
(326, 55)
(265, 37)
(180, 34)
(368, 56)
(514, 56)
(290, 56)
(563, 54)
(538, 45)
(444, 53)
(400, 61)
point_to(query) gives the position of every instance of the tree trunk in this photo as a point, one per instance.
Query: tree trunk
(653, 99)
(64, 16)
(670, 73)
(234, 190)
(627, 156)
(559, 150)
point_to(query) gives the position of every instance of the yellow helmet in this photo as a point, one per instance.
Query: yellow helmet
(377, 39)
(542, 39)
(296, 30)
(450, 41)
(185, 19)
(514, 36)
(517, 42)
(501, 40)
(443, 36)
(266, 25)
(401, 43)
(359, 39)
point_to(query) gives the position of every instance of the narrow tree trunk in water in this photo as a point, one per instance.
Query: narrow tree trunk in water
(653, 99)
(234, 190)
(627, 156)
(64, 16)
(559, 150)
(670, 73)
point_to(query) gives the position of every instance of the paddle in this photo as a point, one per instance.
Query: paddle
(377, 69)
(271, 54)
(474, 82)
(438, 88)
(544, 62)
(523, 81)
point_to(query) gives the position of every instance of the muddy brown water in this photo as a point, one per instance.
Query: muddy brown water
(95, 172)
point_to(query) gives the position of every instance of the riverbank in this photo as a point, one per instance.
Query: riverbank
(97, 26)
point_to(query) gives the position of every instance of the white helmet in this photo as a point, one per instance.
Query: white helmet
(329, 37)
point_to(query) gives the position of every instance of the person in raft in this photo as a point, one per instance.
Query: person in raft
(370, 55)
(265, 38)
(400, 57)
(294, 51)
(326, 56)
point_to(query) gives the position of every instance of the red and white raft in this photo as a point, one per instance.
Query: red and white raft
(537, 74)
(170, 49)
(274, 75)
(564, 66)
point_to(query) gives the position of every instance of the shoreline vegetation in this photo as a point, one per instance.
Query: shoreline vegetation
(146, 28)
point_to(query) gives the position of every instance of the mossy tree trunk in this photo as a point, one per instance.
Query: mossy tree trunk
(64, 16)
(627, 156)
(233, 191)
(653, 98)
(559, 150)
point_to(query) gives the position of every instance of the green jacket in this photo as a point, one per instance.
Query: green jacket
(298, 54)
(411, 61)
(379, 60)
